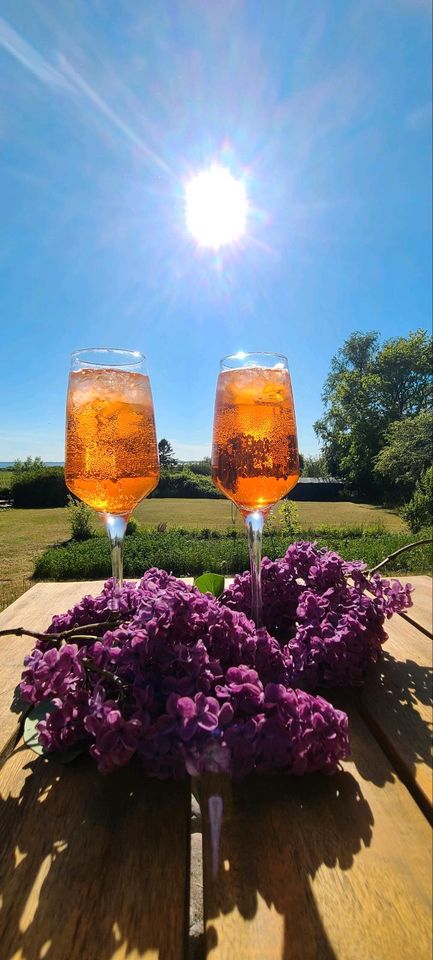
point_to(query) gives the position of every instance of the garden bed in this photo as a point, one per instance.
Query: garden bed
(189, 553)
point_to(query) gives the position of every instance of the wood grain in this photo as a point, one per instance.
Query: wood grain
(421, 613)
(92, 867)
(320, 868)
(397, 703)
(96, 868)
(34, 610)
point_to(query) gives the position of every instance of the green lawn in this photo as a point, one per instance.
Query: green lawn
(216, 514)
(26, 533)
(23, 535)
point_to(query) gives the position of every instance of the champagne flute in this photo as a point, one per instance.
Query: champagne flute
(111, 459)
(255, 449)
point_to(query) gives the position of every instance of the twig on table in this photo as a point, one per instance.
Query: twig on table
(113, 621)
(23, 632)
(416, 543)
(78, 632)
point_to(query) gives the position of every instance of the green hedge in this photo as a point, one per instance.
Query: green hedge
(189, 553)
(43, 487)
(188, 485)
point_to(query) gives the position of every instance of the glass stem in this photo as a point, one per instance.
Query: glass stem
(255, 523)
(116, 527)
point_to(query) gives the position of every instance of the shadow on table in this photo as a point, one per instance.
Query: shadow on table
(17, 704)
(91, 867)
(277, 833)
(394, 691)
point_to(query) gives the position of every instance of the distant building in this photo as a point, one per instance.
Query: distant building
(317, 488)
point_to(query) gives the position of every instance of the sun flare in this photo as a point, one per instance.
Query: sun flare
(216, 207)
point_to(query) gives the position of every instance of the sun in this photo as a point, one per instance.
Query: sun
(216, 207)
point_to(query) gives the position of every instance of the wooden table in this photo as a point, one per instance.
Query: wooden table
(317, 868)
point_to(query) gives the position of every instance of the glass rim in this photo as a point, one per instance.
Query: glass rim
(241, 356)
(136, 357)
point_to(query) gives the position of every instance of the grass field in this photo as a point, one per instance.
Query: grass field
(216, 514)
(24, 534)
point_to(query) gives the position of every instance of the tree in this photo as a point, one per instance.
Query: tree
(404, 370)
(407, 453)
(369, 387)
(30, 463)
(315, 467)
(351, 427)
(166, 459)
(418, 513)
(202, 467)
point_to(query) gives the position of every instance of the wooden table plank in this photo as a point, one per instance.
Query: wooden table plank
(34, 609)
(421, 613)
(326, 858)
(397, 703)
(91, 867)
(320, 867)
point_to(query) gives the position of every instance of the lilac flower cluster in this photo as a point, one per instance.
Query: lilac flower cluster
(188, 684)
(328, 617)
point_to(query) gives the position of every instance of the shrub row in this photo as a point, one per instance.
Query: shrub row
(186, 484)
(186, 554)
(44, 487)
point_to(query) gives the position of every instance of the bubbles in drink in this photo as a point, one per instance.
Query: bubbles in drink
(255, 453)
(111, 450)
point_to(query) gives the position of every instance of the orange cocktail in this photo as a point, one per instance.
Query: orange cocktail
(111, 449)
(255, 451)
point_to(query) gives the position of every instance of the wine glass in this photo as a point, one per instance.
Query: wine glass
(111, 459)
(255, 449)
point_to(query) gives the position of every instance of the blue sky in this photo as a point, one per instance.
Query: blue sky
(106, 109)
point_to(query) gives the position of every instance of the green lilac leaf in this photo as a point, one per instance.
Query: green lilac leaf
(210, 583)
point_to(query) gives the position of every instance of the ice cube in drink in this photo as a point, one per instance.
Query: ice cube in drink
(111, 452)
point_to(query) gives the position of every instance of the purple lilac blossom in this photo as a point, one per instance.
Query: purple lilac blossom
(188, 684)
(328, 618)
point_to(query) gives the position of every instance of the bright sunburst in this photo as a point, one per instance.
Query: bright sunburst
(216, 207)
